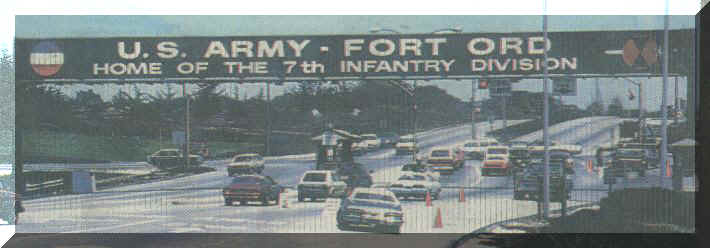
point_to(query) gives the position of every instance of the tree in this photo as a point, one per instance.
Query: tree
(616, 108)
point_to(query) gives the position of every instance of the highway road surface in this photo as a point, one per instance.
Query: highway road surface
(195, 203)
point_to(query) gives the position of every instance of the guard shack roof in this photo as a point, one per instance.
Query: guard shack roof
(340, 135)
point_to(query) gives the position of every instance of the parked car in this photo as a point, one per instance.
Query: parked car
(376, 209)
(445, 160)
(372, 141)
(320, 184)
(415, 184)
(245, 188)
(246, 164)
(421, 168)
(172, 158)
(406, 145)
(476, 149)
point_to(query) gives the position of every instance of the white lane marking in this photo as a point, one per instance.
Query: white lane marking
(112, 227)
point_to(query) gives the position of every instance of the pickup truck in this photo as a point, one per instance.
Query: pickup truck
(528, 183)
(171, 158)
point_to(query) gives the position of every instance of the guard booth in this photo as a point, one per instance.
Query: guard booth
(334, 148)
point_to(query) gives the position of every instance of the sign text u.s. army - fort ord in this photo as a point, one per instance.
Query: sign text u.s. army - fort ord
(253, 58)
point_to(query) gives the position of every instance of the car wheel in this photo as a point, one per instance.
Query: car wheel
(300, 197)
(227, 202)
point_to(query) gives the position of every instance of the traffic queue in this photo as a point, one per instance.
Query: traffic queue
(365, 206)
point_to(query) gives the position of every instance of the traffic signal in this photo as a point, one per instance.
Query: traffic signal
(671, 110)
(482, 84)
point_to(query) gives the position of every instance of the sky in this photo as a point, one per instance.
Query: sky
(111, 26)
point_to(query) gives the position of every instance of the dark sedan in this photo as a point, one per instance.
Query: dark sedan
(252, 188)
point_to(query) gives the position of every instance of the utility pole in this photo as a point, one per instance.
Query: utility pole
(267, 131)
(676, 109)
(664, 112)
(186, 153)
(414, 100)
(546, 180)
(474, 85)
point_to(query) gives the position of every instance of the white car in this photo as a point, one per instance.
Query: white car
(476, 149)
(373, 143)
(422, 168)
(246, 163)
(320, 184)
(414, 184)
(406, 145)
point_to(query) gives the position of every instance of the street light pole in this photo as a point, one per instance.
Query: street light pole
(546, 179)
(267, 130)
(474, 85)
(186, 153)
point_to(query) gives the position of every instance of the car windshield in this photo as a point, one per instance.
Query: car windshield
(470, 144)
(168, 153)
(371, 196)
(246, 180)
(406, 140)
(440, 153)
(413, 177)
(314, 177)
(629, 153)
(369, 137)
(498, 151)
(244, 158)
(495, 158)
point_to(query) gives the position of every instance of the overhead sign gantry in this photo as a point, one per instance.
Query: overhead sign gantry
(345, 57)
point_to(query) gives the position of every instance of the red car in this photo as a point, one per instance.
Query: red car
(252, 188)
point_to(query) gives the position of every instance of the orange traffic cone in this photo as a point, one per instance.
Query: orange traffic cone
(428, 199)
(437, 221)
(462, 196)
(668, 168)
